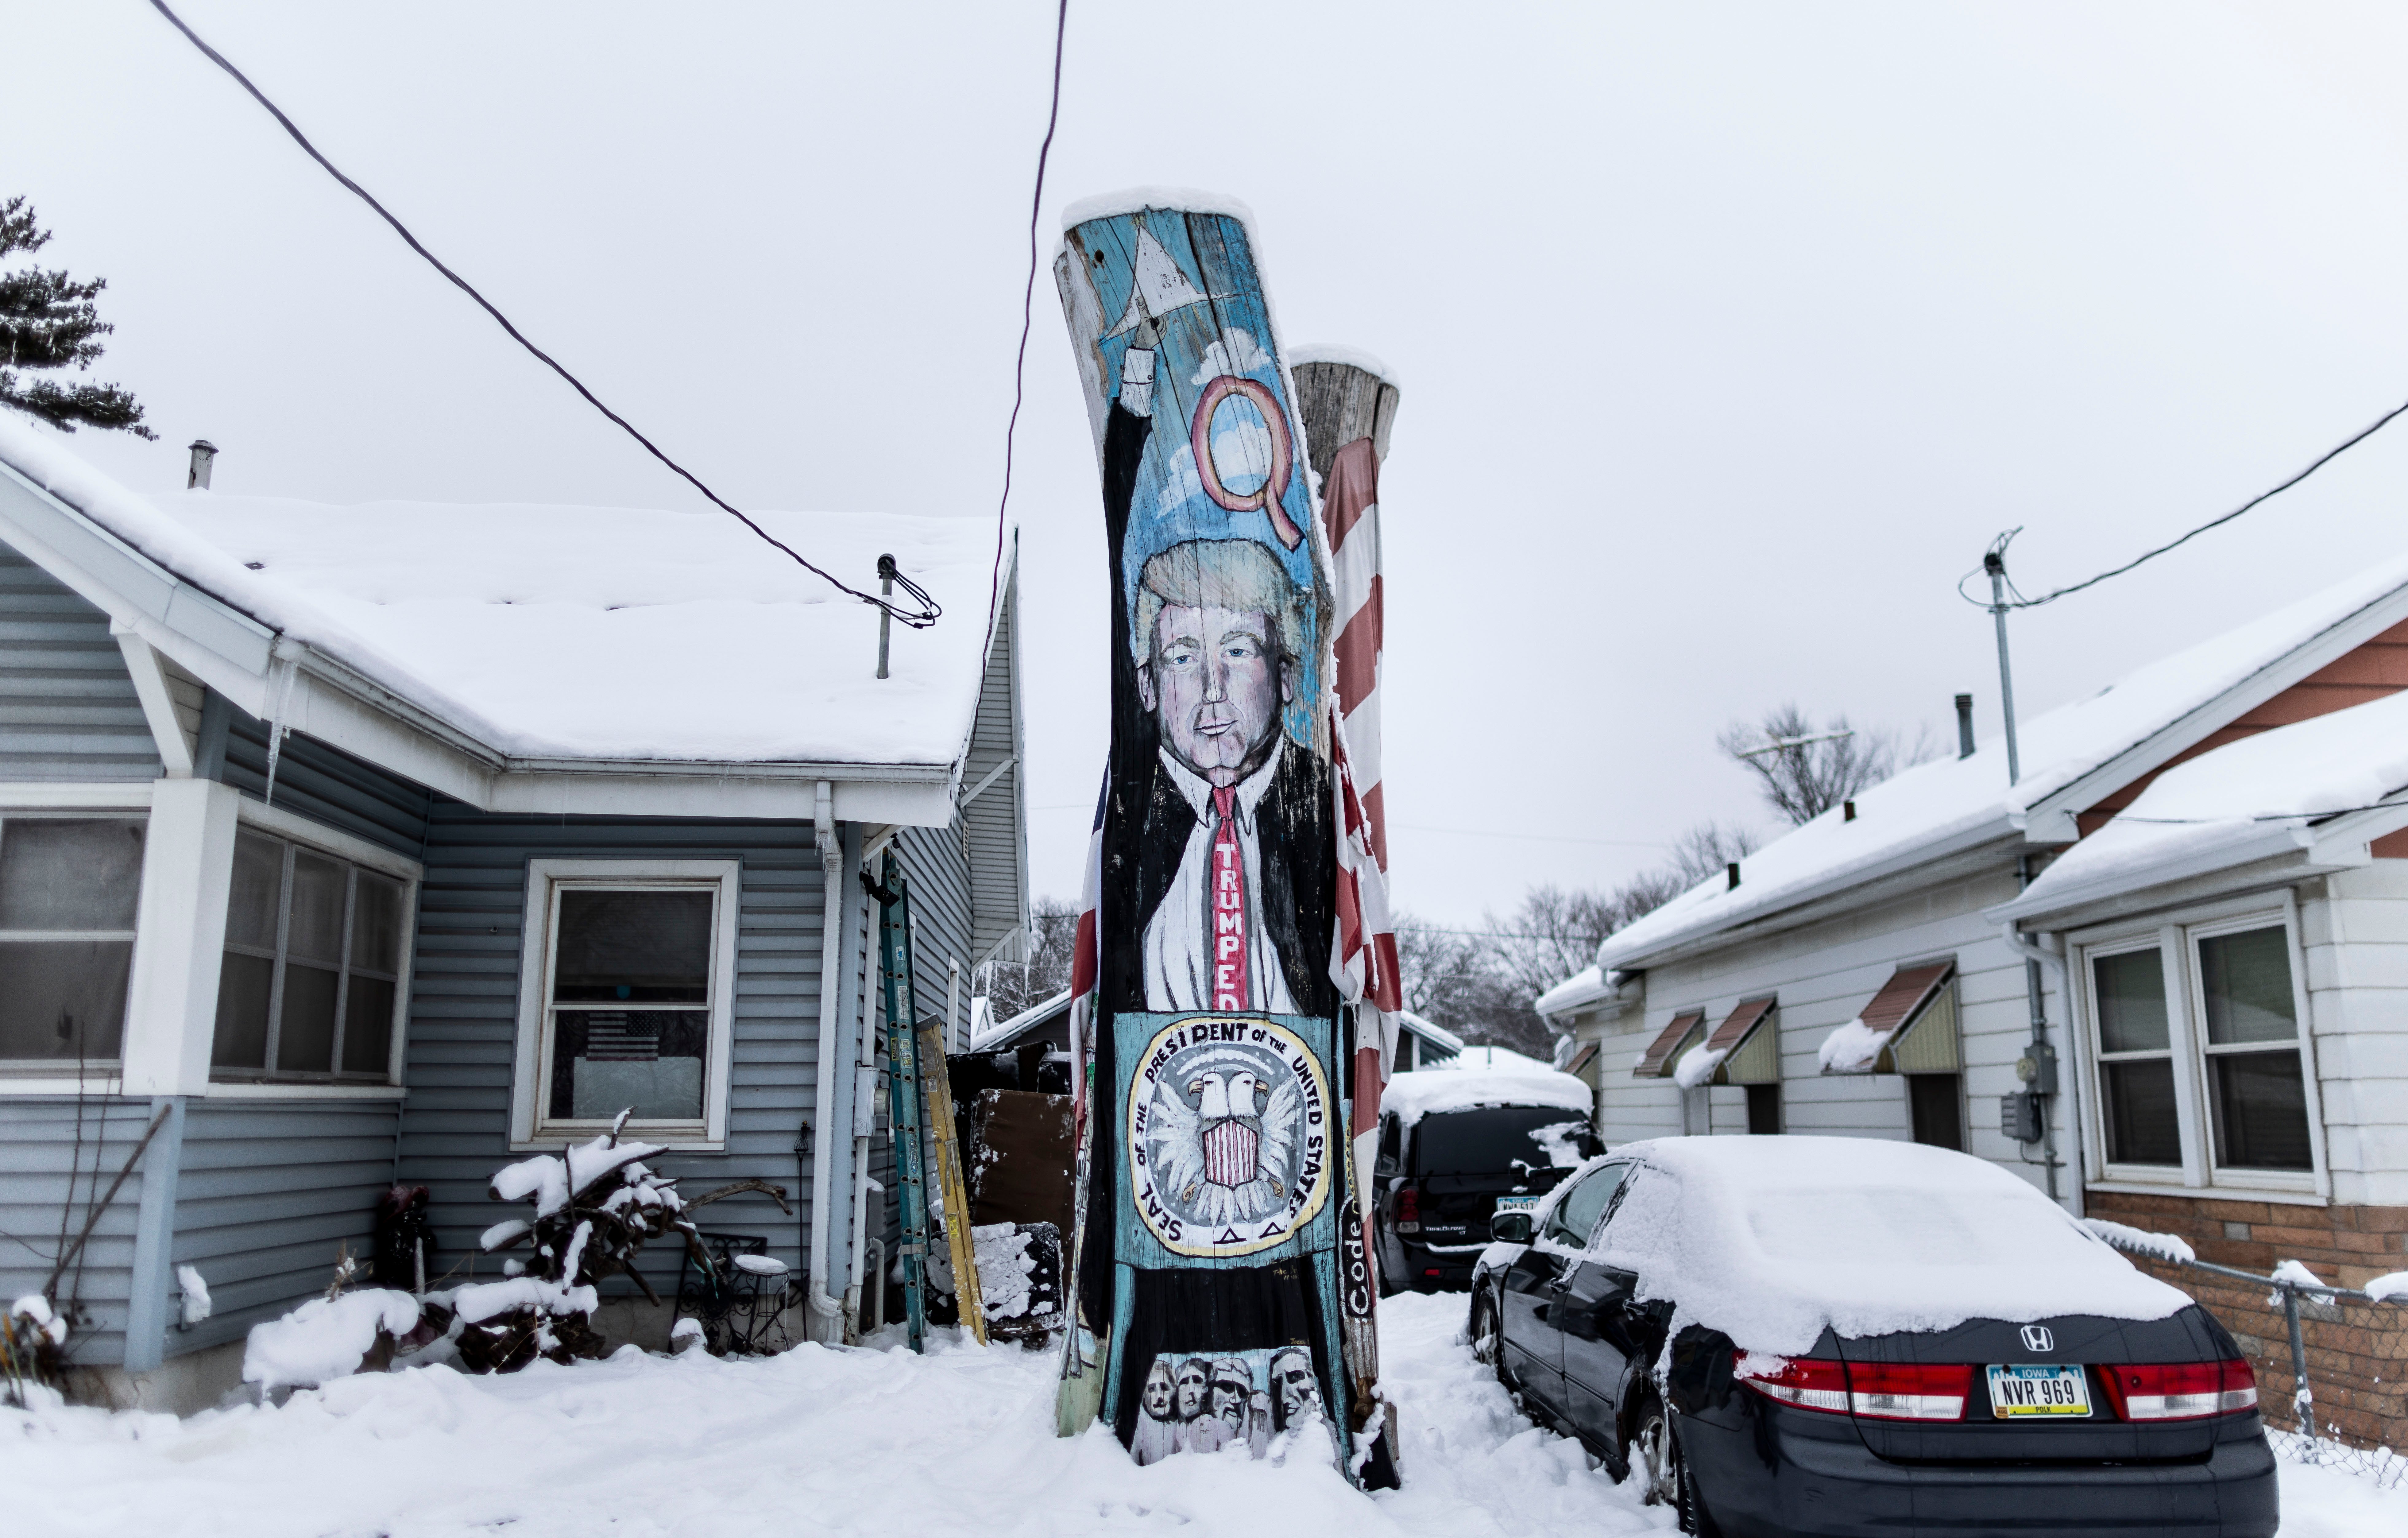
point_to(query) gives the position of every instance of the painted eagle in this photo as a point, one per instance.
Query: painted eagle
(1231, 1154)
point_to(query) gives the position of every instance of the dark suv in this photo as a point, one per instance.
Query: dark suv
(1440, 1177)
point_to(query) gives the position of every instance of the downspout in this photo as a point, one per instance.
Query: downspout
(828, 1318)
(2035, 957)
(864, 1124)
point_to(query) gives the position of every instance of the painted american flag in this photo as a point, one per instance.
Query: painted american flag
(1363, 948)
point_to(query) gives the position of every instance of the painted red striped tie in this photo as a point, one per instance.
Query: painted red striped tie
(1230, 953)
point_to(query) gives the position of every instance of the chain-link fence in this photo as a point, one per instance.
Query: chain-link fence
(2332, 1361)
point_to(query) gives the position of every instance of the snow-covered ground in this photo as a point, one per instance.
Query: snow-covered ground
(825, 1442)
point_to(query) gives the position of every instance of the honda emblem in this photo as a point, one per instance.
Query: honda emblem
(2038, 1338)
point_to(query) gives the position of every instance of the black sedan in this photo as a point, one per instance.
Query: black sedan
(2073, 1422)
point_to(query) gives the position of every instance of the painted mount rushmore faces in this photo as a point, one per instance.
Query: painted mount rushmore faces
(1267, 1401)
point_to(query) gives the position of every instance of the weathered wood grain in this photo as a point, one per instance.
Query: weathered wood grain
(1340, 403)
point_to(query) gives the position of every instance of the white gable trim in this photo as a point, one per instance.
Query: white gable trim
(2051, 819)
(138, 594)
(233, 653)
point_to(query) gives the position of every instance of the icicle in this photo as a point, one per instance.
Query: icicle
(276, 727)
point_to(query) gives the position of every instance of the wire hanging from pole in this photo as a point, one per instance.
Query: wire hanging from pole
(918, 619)
(1999, 547)
(1027, 302)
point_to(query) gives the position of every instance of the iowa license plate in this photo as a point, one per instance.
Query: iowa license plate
(2039, 1391)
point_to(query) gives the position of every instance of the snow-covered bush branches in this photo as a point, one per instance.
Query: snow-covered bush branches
(595, 1205)
(32, 1335)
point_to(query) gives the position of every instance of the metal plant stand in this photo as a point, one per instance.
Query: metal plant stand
(731, 1287)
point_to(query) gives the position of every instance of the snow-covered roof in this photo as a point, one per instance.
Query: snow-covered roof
(1940, 808)
(1427, 1091)
(1738, 1233)
(553, 633)
(1584, 986)
(989, 1034)
(2248, 800)
(1429, 1030)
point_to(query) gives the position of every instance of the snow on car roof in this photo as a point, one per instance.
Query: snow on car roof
(1923, 809)
(570, 632)
(2226, 803)
(1771, 1240)
(1427, 1091)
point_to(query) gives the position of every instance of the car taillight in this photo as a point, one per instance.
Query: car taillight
(1409, 1210)
(1803, 1381)
(2181, 1390)
(1909, 1390)
(1876, 1390)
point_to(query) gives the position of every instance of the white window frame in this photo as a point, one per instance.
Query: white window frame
(547, 878)
(334, 843)
(2176, 938)
(93, 1074)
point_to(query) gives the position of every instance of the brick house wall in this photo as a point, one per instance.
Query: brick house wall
(2357, 1355)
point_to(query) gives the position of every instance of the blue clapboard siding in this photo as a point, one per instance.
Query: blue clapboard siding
(938, 862)
(314, 780)
(68, 706)
(990, 819)
(464, 1013)
(49, 1173)
(269, 1192)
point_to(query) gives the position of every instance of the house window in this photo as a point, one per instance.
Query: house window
(1935, 1104)
(626, 999)
(2256, 1091)
(310, 987)
(2200, 1062)
(68, 888)
(2136, 1066)
(1764, 1108)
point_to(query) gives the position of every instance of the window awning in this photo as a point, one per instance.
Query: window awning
(1580, 1059)
(1657, 1059)
(1735, 1063)
(1863, 1045)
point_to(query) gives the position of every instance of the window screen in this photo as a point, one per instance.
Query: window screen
(2136, 1066)
(312, 971)
(68, 889)
(629, 1004)
(2258, 1092)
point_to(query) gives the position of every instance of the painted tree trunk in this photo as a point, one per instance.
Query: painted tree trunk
(1208, 1263)
(1349, 407)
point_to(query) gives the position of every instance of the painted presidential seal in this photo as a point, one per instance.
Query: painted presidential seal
(1229, 1135)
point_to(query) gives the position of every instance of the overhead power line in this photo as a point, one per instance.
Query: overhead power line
(1027, 297)
(2019, 601)
(921, 617)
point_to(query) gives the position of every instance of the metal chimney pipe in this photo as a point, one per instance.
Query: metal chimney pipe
(1731, 872)
(205, 455)
(1964, 726)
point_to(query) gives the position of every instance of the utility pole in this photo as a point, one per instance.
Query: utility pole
(1993, 561)
(2037, 1068)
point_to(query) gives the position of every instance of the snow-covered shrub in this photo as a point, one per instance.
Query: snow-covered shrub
(328, 1337)
(339, 1333)
(32, 1336)
(595, 1208)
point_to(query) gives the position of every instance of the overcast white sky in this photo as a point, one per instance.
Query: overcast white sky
(1728, 335)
